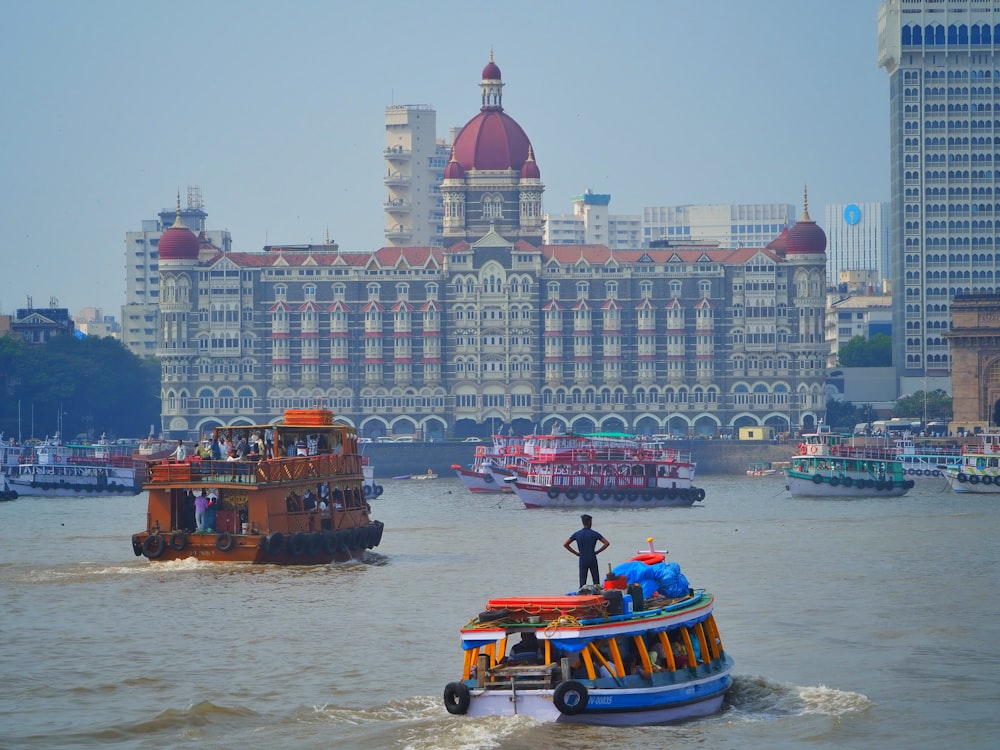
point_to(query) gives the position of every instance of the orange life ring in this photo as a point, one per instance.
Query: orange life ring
(802, 447)
(813, 450)
(650, 558)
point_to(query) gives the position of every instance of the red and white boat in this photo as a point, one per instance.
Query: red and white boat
(491, 464)
(604, 471)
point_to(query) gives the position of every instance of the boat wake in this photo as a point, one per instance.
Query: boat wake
(757, 698)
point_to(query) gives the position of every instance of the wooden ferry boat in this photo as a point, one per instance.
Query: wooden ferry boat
(605, 471)
(615, 658)
(826, 466)
(300, 503)
(977, 470)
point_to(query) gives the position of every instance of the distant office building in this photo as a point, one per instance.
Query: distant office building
(414, 167)
(944, 99)
(856, 315)
(857, 239)
(730, 225)
(140, 313)
(592, 224)
(91, 321)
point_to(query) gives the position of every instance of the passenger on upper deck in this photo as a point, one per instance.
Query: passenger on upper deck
(180, 452)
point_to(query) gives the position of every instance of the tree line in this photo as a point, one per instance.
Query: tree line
(81, 387)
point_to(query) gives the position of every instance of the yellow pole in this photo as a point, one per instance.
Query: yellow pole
(668, 651)
(588, 661)
(617, 657)
(690, 648)
(705, 650)
(640, 646)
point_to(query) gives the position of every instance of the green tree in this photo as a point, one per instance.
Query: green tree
(841, 415)
(862, 352)
(91, 385)
(936, 405)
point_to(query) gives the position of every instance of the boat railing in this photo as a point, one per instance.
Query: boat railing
(265, 471)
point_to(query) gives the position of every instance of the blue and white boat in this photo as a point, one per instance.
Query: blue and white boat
(617, 657)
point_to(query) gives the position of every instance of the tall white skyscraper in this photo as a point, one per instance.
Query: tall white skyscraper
(414, 167)
(944, 120)
(857, 237)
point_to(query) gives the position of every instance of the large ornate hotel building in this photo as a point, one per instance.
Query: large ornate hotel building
(495, 328)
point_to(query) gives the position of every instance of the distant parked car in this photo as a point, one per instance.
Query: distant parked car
(364, 440)
(404, 439)
(472, 440)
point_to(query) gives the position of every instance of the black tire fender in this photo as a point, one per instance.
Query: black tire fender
(275, 543)
(154, 546)
(699, 494)
(457, 698)
(552, 493)
(817, 479)
(570, 697)
(297, 544)
(136, 545)
(488, 478)
(225, 541)
(178, 541)
(962, 477)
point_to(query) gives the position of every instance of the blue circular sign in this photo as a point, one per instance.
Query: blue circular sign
(852, 214)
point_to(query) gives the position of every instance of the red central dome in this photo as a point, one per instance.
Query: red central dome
(178, 243)
(491, 140)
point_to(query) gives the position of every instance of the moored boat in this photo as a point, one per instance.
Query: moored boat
(761, 469)
(490, 464)
(826, 466)
(52, 468)
(301, 503)
(977, 469)
(646, 650)
(605, 471)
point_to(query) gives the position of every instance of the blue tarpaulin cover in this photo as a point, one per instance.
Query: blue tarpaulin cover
(665, 578)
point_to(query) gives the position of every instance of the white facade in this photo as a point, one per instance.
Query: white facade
(414, 167)
(730, 225)
(944, 95)
(857, 239)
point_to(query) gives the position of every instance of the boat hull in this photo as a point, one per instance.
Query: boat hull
(316, 548)
(689, 698)
(806, 486)
(540, 496)
(475, 481)
(77, 481)
(983, 483)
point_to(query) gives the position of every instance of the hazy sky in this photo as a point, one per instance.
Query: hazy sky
(277, 114)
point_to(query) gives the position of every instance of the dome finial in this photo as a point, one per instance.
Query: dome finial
(491, 53)
(177, 218)
(805, 203)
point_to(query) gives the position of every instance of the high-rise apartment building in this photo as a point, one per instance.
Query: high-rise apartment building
(730, 225)
(592, 224)
(857, 236)
(944, 120)
(414, 167)
(140, 313)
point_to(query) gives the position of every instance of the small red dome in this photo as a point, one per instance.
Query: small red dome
(491, 140)
(178, 243)
(805, 238)
(492, 71)
(779, 243)
(529, 171)
(454, 170)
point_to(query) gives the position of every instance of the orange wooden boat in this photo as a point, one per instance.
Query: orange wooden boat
(301, 502)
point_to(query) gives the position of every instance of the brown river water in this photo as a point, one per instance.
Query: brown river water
(853, 623)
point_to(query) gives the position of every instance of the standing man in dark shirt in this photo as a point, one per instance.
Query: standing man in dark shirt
(586, 542)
